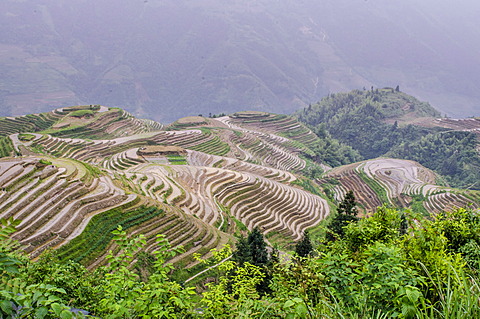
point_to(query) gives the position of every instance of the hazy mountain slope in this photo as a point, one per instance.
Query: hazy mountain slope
(166, 59)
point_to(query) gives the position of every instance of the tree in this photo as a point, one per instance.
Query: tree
(348, 206)
(242, 254)
(19, 299)
(304, 247)
(252, 249)
(346, 213)
(258, 247)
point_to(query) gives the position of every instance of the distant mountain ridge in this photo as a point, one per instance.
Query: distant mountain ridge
(166, 59)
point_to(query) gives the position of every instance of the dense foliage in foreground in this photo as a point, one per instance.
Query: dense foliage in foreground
(390, 265)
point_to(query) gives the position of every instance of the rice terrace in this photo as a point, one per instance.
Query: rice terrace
(72, 176)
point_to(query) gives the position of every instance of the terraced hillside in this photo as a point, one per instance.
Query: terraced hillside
(99, 122)
(200, 181)
(295, 137)
(281, 125)
(214, 194)
(468, 125)
(263, 137)
(27, 123)
(52, 200)
(389, 123)
(72, 206)
(459, 124)
(397, 182)
(71, 185)
(77, 121)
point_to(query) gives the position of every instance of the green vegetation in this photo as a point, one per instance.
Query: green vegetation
(95, 171)
(177, 159)
(394, 264)
(81, 108)
(304, 247)
(214, 146)
(252, 249)
(358, 119)
(93, 241)
(361, 120)
(27, 123)
(346, 213)
(92, 172)
(417, 204)
(308, 185)
(25, 137)
(332, 151)
(82, 113)
(45, 162)
(49, 289)
(452, 154)
(374, 185)
(241, 226)
(312, 170)
(94, 128)
(6, 146)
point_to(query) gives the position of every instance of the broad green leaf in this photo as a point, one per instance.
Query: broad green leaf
(6, 306)
(65, 314)
(41, 312)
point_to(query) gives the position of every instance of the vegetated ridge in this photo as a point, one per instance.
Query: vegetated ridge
(390, 123)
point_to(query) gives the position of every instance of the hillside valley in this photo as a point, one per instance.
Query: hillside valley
(219, 176)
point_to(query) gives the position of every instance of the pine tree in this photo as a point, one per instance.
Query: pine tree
(242, 253)
(346, 213)
(252, 249)
(348, 206)
(258, 248)
(304, 247)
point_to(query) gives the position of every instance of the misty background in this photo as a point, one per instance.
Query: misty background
(165, 59)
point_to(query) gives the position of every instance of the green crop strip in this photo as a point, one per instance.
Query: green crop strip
(213, 146)
(177, 160)
(375, 186)
(307, 185)
(6, 147)
(417, 204)
(98, 233)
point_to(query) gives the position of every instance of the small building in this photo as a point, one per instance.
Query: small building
(161, 150)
